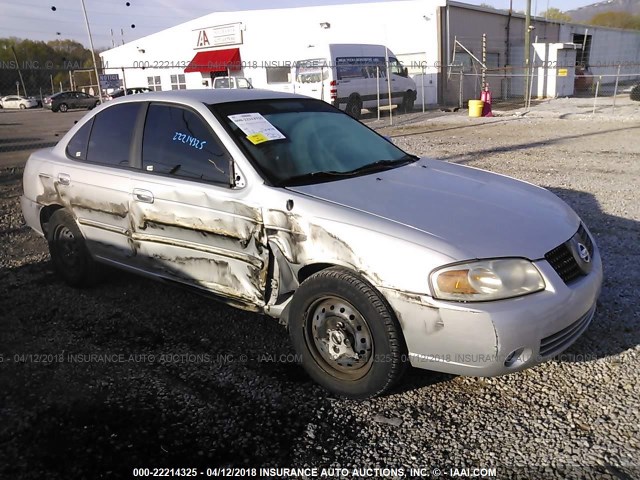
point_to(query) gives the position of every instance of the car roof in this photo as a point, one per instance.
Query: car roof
(212, 96)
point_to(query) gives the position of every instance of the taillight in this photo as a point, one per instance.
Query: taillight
(333, 89)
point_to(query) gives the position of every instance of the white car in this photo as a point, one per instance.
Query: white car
(15, 101)
(284, 205)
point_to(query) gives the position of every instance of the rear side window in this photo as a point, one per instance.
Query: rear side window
(77, 146)
(178, 142)
(111, 135)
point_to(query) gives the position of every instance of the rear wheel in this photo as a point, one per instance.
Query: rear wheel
(63, 107)
(346, 334)
(407, 102)
(69, 254)
(354, 107)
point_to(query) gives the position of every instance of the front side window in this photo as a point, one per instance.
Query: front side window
(111, 134)
(178, 142)
(295, 142)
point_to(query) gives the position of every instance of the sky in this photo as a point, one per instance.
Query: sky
(132, 19)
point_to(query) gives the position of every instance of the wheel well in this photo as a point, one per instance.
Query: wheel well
(308, 270)
(45, 215)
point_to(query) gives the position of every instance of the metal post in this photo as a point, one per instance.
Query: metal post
(595, 99)
(70, 81)
(615, 91)
(93, 53)
(41, 102)
(460, 95)
(124, 81)
(378, 88)
(531, 83)
(423, 88)
(527, 49)
(386, 55)
(53, 89)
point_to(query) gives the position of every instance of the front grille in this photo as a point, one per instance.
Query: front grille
(563, 260)
(554, 344)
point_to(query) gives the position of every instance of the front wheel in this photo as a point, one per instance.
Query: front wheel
(346, 334)
(22, 106)
(63, 107)
(69, 254)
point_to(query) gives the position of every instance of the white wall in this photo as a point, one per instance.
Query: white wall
(282, 35)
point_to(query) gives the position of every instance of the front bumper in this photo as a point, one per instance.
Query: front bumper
(494, 338)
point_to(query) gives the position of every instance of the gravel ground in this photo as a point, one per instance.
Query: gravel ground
(177, 380)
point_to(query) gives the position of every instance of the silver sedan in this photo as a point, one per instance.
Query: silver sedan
(374, 258)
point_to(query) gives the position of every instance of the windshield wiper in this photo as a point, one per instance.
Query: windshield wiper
(381, 165)
(328, 175)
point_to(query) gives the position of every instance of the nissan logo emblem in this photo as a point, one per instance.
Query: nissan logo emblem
(584, 253)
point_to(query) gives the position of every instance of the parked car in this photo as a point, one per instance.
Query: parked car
(130, 91)
(231, 82)
(64, 101)
(17, 101)
(283, 204)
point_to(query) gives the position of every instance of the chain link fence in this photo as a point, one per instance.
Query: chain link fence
(451, 85)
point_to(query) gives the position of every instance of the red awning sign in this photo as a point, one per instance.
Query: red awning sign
(215, 61)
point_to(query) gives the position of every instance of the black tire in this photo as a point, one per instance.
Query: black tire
(354, 107)
(92, 106)
(22, 106)
(408, 102)
(635, 93)
(69, 254)
(333, 310)
(62, 108)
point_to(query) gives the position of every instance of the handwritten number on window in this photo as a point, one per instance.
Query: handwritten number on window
(189, 140)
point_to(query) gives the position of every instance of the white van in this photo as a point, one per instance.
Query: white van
(353, 76)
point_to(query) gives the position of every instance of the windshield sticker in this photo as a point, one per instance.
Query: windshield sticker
(256, 127)
(189, 140)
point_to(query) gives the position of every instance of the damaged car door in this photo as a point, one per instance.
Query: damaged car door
(188, 223)
(96, 187)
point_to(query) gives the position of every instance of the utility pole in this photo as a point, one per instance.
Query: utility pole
(527, 49)
(15, 57)
(93, 53)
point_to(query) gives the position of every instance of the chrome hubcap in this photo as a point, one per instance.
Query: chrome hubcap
(340, 337)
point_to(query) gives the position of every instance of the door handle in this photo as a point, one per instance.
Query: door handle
(64, 179)
(144, 196)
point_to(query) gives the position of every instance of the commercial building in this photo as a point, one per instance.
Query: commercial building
(449, 48)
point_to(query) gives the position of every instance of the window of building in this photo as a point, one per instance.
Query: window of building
(111, 135)
(278, 75)
(178, 142)
(154, 83)
(77, 146)
(178, 82)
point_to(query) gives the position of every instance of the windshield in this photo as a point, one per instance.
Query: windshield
(304, 141)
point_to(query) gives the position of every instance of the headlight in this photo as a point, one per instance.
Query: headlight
(486, 280)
